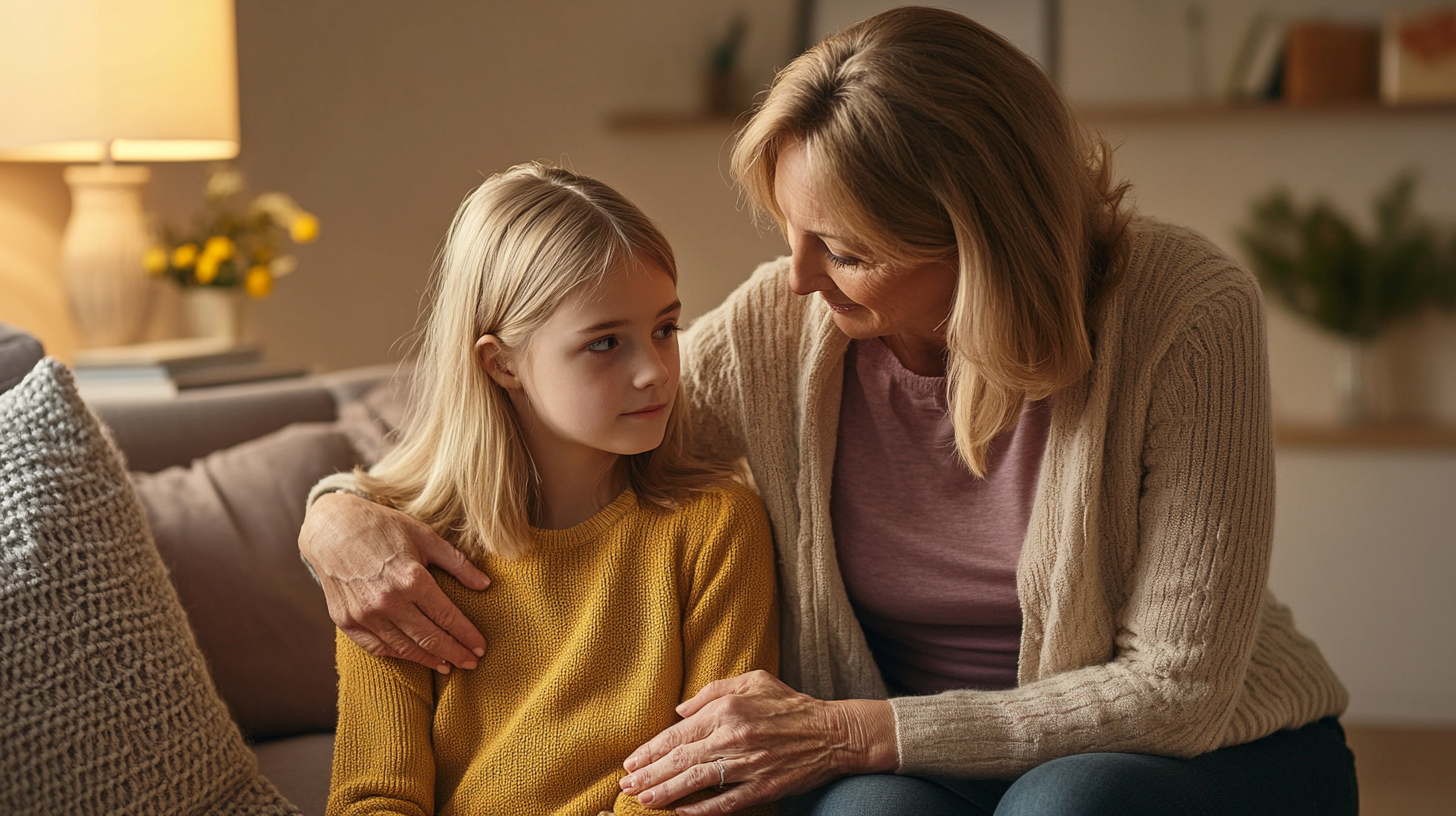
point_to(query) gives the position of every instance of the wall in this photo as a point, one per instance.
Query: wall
(1365, 541)
(379, 116)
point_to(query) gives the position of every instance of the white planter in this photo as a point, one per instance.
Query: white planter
(212, 311)
(1353, 383)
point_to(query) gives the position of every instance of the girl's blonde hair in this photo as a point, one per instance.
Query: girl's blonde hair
(522, 243)
(934, 139)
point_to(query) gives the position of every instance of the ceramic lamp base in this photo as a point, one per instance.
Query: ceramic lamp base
(101, 253)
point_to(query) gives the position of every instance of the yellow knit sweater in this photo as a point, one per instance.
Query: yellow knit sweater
(592, 640)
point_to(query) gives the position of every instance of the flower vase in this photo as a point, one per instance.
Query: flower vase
(212, 312)
(1354, 400)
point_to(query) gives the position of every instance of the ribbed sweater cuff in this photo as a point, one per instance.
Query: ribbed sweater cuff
(928, 747)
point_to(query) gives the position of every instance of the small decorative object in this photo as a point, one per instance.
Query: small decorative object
(725, 94)
(228, 250)
(1418, 56)
(1327, 63)
(1314, 261)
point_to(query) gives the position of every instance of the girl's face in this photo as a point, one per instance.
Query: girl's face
(868, 299)
(601, 375)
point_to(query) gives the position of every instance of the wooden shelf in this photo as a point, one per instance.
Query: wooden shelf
(1266, 111)
(1407, 436)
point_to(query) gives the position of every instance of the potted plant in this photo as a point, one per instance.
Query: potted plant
(1316, 262)
(229, 250)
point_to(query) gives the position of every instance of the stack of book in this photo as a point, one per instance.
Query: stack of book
(152, 371)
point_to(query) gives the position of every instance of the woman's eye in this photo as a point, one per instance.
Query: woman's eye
(605, 344)
(841, 261)
(664, 332)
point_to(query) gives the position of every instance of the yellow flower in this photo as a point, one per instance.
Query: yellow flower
(304, 229)
(259, 281)
(219, 246)
(184, 256)
(206, 271)
(155, 260)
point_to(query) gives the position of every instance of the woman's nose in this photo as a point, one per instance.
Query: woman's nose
(806, 273)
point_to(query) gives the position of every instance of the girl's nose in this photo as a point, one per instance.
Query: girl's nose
(654, 367)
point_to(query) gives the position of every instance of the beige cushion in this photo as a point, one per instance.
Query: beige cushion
(105, 701)
(227, 527)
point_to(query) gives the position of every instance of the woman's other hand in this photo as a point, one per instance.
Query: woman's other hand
(371, 562)
(772, 742)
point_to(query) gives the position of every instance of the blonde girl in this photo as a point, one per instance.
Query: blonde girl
(547, 443)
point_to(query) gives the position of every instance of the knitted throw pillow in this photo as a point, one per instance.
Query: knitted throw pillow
(105, 702)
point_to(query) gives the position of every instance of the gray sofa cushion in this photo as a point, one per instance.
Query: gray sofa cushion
(300, 767)
(159, 434)
(19, 352)
(227, 527)
(105, 701)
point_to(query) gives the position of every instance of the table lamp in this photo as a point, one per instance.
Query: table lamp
(97, 82)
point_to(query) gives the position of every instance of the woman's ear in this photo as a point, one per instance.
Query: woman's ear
(491, 353)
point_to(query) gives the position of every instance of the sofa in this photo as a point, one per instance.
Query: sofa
(222, 474)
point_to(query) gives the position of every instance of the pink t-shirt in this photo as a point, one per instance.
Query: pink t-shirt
(928, 552)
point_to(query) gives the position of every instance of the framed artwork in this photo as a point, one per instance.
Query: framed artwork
(1030, 24)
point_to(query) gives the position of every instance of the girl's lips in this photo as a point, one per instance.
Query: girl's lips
(837, 308)
(650, 412)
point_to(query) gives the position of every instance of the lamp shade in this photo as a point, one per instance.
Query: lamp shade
(155, 79)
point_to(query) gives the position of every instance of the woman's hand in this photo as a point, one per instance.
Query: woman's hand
(771, 742)
(371, 562)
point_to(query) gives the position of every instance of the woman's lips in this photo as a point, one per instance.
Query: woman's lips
(838, 308)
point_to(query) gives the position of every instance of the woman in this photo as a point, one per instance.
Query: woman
(1015, 446)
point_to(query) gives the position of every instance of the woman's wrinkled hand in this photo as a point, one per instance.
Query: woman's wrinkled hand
(371, 562)
(771, 742)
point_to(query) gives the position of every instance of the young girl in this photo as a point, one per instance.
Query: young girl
(547, 443)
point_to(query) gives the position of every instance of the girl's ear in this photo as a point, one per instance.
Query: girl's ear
(491, 354)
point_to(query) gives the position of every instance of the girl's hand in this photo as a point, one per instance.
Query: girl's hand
(771, 740)
(371, 562)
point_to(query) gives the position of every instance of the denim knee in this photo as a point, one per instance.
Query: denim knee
(1097, 785)
(878, 795)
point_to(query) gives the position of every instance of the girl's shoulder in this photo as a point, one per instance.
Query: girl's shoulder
(731, 503)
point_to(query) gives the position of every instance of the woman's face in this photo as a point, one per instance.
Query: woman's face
(868, 298)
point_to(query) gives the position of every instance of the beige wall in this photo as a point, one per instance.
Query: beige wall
(380, 115)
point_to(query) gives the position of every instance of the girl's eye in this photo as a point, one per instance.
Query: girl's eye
(664, 332)
(605, 344)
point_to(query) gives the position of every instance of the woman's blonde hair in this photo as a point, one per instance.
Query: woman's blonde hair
(934, 139)
(522, 243)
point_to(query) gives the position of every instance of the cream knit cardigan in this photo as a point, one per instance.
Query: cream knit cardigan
(1146, 626)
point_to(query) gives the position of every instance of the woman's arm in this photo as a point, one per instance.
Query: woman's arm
(372, 563)
(383, 756)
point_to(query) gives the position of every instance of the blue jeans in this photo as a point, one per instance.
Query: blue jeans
(1289, 773)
